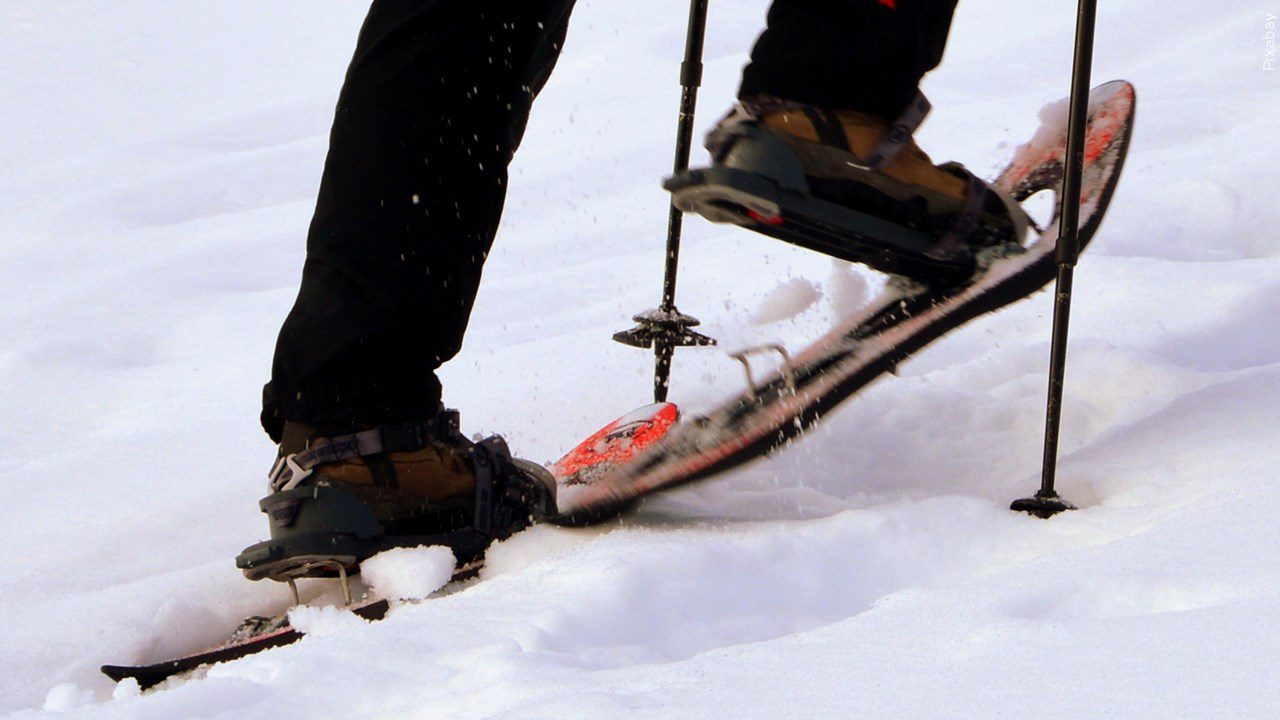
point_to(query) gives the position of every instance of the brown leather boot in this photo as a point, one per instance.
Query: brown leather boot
(337, 498)
(397, 485)
(909, 174)
(838, 149)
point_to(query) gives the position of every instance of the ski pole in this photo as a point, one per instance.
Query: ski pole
(690, 81)
(1047, 502)
(668, 328)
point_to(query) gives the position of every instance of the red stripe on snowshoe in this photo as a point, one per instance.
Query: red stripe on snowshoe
(1107, 119)
(619, 441)
(767, 220)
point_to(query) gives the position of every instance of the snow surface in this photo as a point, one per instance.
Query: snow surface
(160, 163)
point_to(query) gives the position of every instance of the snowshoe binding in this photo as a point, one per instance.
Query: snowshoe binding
(337, 500)
(852, 186)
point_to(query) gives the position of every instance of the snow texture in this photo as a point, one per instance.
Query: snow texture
(160, 165)
(788, 300)
(408, 573)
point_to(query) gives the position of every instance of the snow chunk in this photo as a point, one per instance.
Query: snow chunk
(847, 290)
(1054, 118)
(67, 696)
(125, 689)
(408, 573)
(324, 621)
(1053, 123)
(786, 301)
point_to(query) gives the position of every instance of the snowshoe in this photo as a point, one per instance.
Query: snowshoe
(615, 444)
(864, 345)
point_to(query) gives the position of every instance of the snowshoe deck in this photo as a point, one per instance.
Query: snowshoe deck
(905, 318)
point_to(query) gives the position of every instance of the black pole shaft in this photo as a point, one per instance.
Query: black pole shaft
(1069, 229)
(663, 351)
(1068, 248)
(690, 80)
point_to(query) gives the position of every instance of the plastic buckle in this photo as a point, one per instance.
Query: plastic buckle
(296, 473)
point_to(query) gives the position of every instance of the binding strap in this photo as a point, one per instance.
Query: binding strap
(826, 124)
(899, 133)
(289, 470)
(957, 237)
(828, 127)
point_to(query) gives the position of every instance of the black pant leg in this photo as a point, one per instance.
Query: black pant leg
(866, 55)
(434, 105)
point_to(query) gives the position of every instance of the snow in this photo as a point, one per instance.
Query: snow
(848, 289)
(788, 299)
(161, 161)
(408, 573)
(66, 696)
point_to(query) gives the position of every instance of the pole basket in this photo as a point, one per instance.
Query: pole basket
(669, 328)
